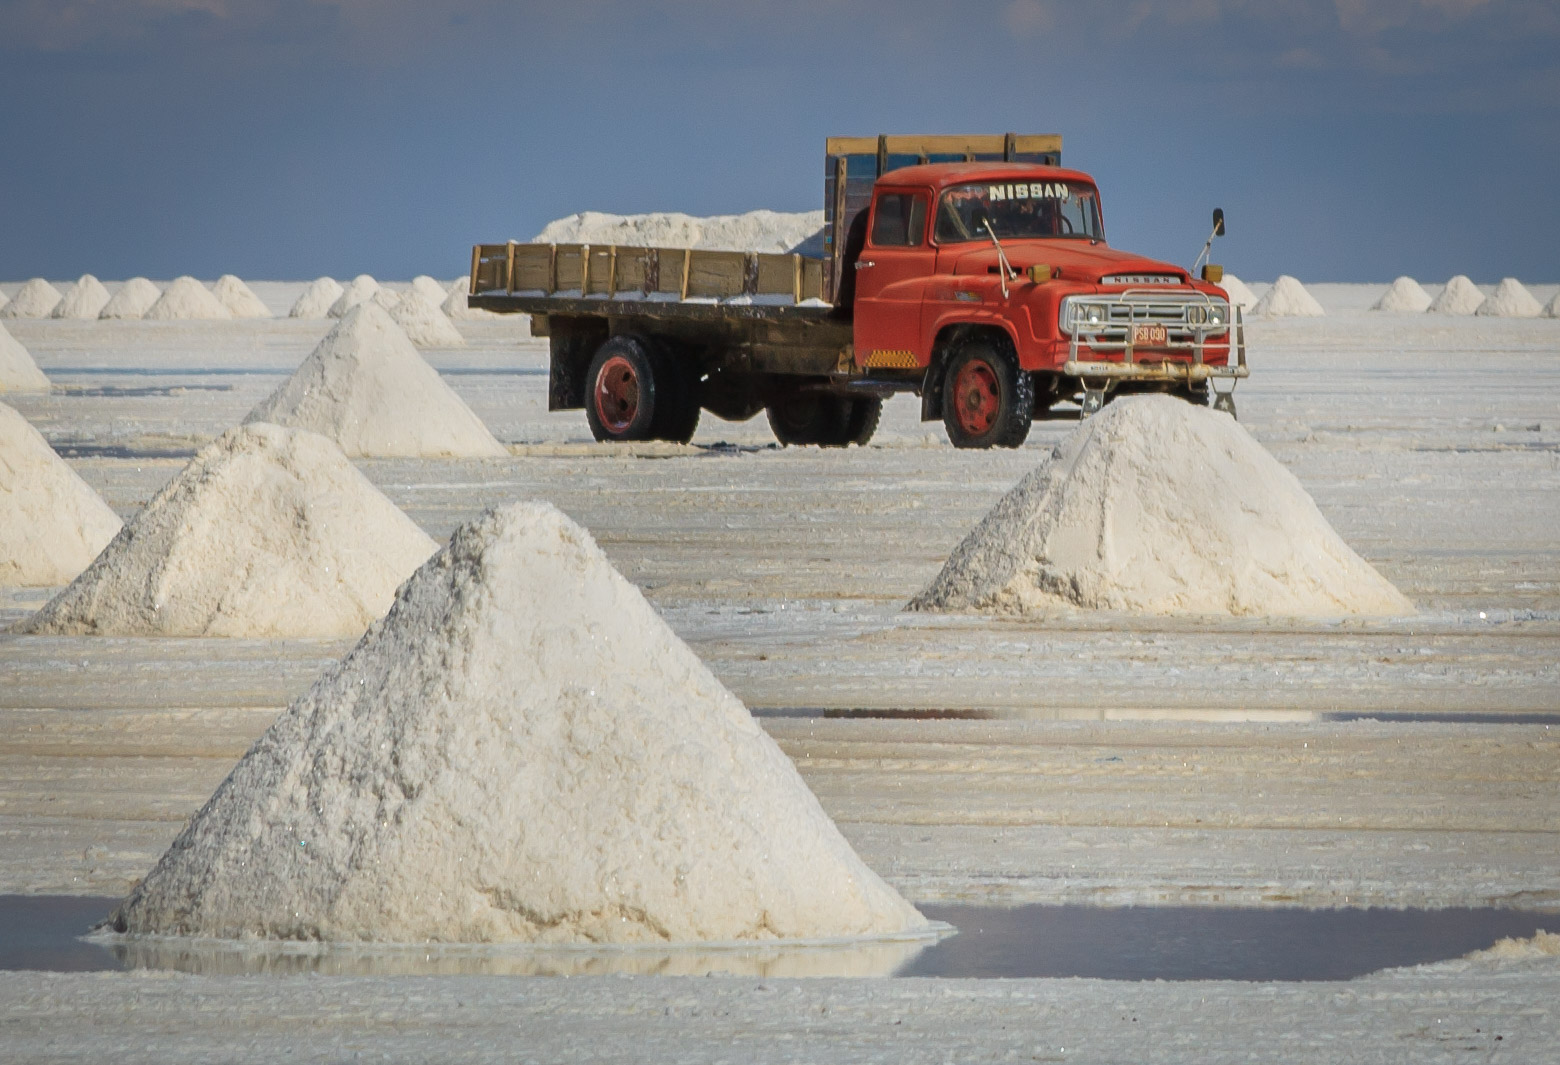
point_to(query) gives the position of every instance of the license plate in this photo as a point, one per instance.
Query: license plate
(1149, 335)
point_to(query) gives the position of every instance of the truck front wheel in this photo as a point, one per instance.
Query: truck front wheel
(624, 390)
(987, 400)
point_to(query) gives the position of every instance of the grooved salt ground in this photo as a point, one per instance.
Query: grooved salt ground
(52, 523)
(317, 299)
(86, 299)
(18, 372)
(267, 532)
(1159, 507)
(1287, 299)
(239, 298)
(187, 299)
(1404, 294)
(521, 750)
(36, 299)
(424, 323)
(366, 388)
(134, 298)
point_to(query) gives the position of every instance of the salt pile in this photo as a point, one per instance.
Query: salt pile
(1404, 294)
(1157, 506)
(317, 299)
(432, 290)
(52, 524)
(86, 299)
(239, 298)
(360, 289)
(1552, 308)
(36, 299)
(1460, 296)
(134, 298)
(387, 300)
(18, 372)
(1510, 300)
(522, 750)
(188, 299)
(366, 388)
(268, 532)
(456, 307)
(1240, 296)
(771, 231)
(1287, 299)
(423, 323)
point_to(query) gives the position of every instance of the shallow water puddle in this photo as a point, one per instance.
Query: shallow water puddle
(1131, 943)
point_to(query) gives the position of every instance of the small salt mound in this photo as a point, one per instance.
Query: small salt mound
(1552, 308)
(359, 290)
(424, 324)
(1240, 296)
(86, 299)
(456, 307)
(431, 289)
(52, 524)
(317, 299)
(1460, 296)
(187, 299)
(1287, 299)
(36, 299)
(268, 532)
(1159, 507)
(1404, 294)
(1510, 300)
(134, 298)
(18, 372)
(366, 388)
(522, 750)
(239, 298)
(771, 231)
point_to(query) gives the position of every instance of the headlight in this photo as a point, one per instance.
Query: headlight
(1218, 314)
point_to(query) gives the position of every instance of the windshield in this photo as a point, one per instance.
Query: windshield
(1019, 210)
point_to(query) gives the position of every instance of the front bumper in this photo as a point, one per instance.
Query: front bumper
(1156, 365)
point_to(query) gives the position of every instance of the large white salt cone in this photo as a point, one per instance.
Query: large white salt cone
(36, 299)
(86, 299)
(1155, 506)
(239, 298)
(52, 524)
(134, 298)
(1460, 296)
(1404, 294)
(268, 532)
(1510, 300)
(18, 372)
(317, 299)
(522, 750)
(1287, 298)
(366, 388)
(186, 299)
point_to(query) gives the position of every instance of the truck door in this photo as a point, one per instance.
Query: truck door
(891, 277)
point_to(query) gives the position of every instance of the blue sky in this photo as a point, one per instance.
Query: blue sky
(1347, 140)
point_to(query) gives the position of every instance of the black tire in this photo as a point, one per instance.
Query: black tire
(677, 413)
(623, 390)
(818, 418)
(863, 420)
(987, 400)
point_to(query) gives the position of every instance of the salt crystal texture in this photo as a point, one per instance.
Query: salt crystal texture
(359, 290)
(522, 750)
(366, 388)
(187, 299)
(1404, 294)
(1287, 299)
(424, 323)
(1240, 296)
(36, 299)
(1460, 296)
(52, 524)
(433, 291)
(1510, 300)
(1159, 507)
(317, 299)
(268, 532)
(86, 299)
(456, 307)
(239, 298)
(18, 372)
(134, 298)
(770, 231)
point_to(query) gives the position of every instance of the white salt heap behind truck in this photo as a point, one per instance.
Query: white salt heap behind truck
(1159, 507)
(268, 532)
(52, 523)
(522, 750)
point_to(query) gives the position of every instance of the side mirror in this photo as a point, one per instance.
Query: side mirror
(1218, 221)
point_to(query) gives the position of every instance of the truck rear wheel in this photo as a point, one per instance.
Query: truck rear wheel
(823, 419)
(636, 392)
(987, 400)
(677, 407)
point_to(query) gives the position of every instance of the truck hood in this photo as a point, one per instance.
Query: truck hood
(1077, 260)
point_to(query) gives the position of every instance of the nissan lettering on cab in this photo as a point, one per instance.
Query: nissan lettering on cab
(971, 271)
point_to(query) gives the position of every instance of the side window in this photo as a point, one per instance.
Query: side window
(900, 220)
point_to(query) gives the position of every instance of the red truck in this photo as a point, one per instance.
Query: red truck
(972, 271)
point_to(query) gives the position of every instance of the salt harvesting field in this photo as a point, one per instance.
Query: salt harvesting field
(1090, 758)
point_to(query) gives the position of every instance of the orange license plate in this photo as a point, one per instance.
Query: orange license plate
(1149, 336)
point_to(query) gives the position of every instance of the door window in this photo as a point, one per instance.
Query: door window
(899, 220)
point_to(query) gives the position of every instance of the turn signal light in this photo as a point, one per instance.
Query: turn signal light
(1040, 273)
(1213, 273)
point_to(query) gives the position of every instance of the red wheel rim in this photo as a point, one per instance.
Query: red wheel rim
(977, 396)
(617, 394)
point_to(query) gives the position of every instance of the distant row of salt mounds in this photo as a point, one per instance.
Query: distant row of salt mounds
(1462, 297)
(768, 231)
(52, 524)
(1287, 298)
(18, 372)
(366, 388)
(1159, 507)
(268, 532)
(520, 751)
